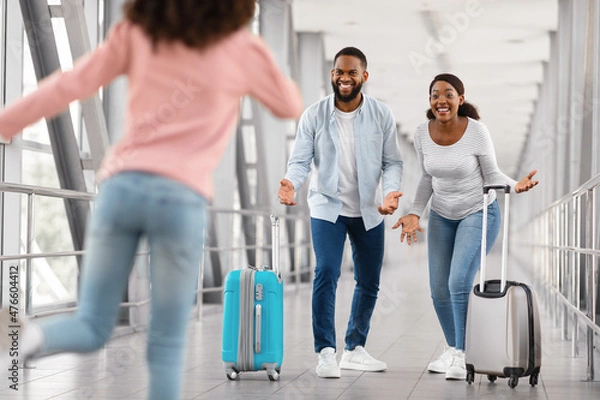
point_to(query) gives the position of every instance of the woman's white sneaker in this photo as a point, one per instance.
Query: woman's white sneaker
(458, 369)
(441, 365)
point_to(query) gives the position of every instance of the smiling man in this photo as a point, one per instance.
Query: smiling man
(350, 138)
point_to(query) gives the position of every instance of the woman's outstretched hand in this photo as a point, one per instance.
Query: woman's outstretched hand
(410, 226)
(526, 183)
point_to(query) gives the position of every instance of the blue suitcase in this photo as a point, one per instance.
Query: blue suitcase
(253, 317)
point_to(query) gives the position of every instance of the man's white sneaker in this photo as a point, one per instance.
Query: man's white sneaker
(358, 359)
(327, 366)
(441, 365)
(458, 370)
(19, 338)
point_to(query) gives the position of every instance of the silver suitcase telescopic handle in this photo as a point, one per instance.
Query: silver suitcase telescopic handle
(486, 190)
(275, 245)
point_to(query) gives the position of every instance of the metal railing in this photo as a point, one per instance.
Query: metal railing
(565, 262)
(31, 193)
(233, 254)
(293, 270)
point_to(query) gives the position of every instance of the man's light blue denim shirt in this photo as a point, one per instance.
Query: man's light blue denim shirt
(378, 159)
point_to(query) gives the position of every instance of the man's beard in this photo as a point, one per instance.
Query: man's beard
(347, 98)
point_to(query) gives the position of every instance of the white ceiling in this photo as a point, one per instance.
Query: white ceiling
(496, 47)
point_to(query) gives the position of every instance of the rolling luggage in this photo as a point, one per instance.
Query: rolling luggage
(503, 337)
(253, 317)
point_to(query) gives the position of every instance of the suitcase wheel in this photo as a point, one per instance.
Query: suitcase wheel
(492, 378)
(232, 373)
(470, 377)
(273, 374)
(533, 379)
(513, 381)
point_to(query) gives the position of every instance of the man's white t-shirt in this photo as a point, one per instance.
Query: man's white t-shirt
(348, 176)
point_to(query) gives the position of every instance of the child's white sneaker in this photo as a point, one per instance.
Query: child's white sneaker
(19, 338)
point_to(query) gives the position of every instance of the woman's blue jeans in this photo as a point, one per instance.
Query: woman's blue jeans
(454, 249)
(171, 216)
(367, 254)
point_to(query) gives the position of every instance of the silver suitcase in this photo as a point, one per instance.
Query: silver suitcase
(503, 337)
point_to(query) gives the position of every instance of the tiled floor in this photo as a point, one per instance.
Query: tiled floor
(404, 333)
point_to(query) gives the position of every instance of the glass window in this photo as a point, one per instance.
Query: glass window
(37, 132)
(54, 279)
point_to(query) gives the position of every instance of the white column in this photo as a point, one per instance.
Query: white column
(596, 90)
(312, 78)
(276, 28)
(576, 89)
(115, 94)
(563, 98)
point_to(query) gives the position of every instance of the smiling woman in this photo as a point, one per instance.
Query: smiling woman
(457, 159)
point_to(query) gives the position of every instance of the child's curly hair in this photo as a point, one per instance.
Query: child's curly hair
(196, 23)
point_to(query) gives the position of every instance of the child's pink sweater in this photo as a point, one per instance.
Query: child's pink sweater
(182, 103)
